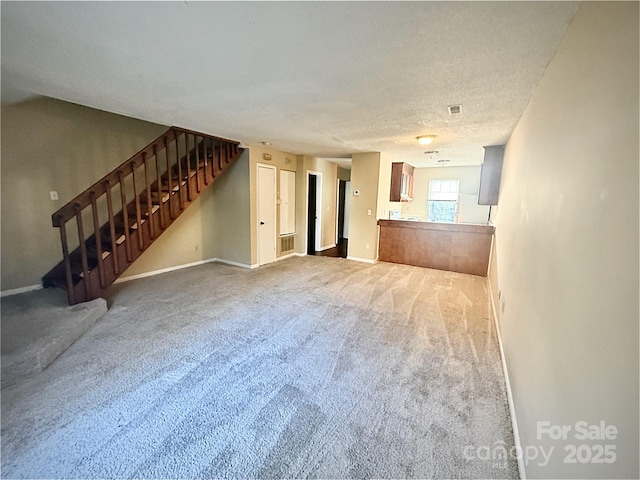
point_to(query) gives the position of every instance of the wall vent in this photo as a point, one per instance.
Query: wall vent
(287, 243)
(455, 109)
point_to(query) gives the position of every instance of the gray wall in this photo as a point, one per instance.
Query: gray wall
(566, 257)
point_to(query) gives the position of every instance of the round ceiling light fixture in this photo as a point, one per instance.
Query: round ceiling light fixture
(426, 139)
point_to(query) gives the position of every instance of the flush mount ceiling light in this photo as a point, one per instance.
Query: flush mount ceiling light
(266, 144)
(425, 139)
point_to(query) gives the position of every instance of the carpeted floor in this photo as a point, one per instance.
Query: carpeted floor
(310, 367)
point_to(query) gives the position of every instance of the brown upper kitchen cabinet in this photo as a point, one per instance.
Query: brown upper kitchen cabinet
(490, 175)
(401, 182)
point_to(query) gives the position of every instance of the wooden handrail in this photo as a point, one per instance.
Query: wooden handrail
(67, 212)
(164, 165)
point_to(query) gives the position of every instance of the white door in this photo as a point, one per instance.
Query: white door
(266, 214)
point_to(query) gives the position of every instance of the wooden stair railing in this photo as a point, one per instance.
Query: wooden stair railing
(148, 191)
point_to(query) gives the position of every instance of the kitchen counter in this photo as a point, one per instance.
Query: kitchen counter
(455, 247)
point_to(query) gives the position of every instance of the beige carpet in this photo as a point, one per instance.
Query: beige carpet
(310, 367)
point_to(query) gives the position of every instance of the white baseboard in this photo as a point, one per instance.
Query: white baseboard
(180, 267)
(327, 247)
(284, 257)
(235, 264)
(358, 259)
(164, 270)
(512, 408)
(16, 291)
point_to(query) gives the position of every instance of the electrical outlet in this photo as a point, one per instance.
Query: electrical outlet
(366, 246)
(53, 195)
(369, 212)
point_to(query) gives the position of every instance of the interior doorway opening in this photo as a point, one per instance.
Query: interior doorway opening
(314, 212)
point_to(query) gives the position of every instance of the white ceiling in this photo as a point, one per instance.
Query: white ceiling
(324, 79)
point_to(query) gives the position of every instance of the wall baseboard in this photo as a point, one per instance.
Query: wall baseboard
(235, 264)
(326, 247)
(180, 267)
(359, 259)
(17, 291)
(284, 257)
(512, 408)
(164, 270)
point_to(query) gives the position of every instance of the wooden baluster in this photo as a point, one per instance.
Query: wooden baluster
(71, 297)
(195, 139)
(197, 145)
(180, 189)
(204, 150)
(125, 215)
(112, 228)
(152, 230)
(159, 187)
(213, 159)
(169, 174)
(96, 232)
(220, 167)
(138, 212)
(188, 159)
(83, 254)
(223, 155)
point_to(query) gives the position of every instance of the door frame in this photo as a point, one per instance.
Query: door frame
(318, 209)
(275, 226)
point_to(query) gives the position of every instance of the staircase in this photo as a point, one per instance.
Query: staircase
(148, 192)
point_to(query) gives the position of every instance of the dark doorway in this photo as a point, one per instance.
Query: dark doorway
(312, 214)
(341, 198)
(340, 250)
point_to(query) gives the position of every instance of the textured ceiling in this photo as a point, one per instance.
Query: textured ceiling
(324, 79)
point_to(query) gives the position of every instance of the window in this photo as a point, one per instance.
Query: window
(443, 200)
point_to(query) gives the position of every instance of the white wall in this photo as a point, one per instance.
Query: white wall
(566, 257)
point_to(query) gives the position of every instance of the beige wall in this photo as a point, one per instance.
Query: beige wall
(53, 145)
(230, 205)
(363, 228)
(566, 258)
(344, 174)
(50, 145)
(329, 171)
(216, 225)
(384, 187)
(469, 185)
(282, 161)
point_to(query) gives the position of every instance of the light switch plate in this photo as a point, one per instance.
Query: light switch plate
(53, 195)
